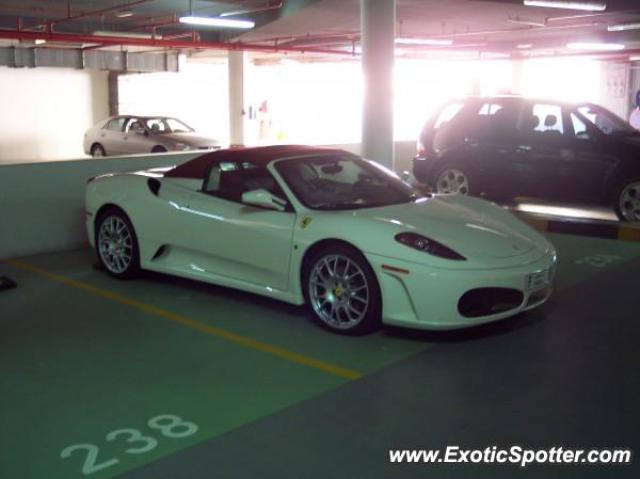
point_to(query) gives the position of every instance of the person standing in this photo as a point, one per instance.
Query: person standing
(634, 118)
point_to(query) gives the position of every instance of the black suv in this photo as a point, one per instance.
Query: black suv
(507, 146)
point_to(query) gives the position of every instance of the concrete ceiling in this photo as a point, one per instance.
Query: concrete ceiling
(333, 25)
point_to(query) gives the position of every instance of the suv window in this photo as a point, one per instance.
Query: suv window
(543, 120)
(230, 179)
(580, 129)
(447, 114)
(493, 118)
(115, 124)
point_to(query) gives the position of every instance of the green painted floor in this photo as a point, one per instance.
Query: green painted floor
(81, 369)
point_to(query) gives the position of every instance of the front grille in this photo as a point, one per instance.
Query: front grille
(488, 301)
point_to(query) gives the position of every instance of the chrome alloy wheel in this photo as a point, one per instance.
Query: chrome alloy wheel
(115, 244)
(338, 291)
(452, 182)
(629, 202)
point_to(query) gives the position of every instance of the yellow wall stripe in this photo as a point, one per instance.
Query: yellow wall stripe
(193, 324)
(629, 233)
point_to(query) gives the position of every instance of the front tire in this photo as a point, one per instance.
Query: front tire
(627, 201)
(158, 149)
(97, 151)
(117, 244)
(342, 291)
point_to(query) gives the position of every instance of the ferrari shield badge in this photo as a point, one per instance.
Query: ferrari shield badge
(304, 222)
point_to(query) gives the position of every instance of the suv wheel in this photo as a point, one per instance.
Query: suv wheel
(453, 180)
(627, 202)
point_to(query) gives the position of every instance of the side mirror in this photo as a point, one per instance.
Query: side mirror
(263, 199)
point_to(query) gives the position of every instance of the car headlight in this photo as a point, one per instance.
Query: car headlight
(422, 243)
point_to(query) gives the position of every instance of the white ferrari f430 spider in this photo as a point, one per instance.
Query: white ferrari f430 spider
(326, 228)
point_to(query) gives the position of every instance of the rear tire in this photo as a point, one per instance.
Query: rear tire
(98, 151)
(341, 290)
(454, 179)
(627, 201)
(117, 244)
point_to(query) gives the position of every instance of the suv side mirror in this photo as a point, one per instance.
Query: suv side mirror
(263, 199)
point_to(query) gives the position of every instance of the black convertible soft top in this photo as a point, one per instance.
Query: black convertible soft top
(198, 167)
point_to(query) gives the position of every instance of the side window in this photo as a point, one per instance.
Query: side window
(115, 125)
(489, 109)
(156, 125)
(548, 119)
(229, 180)
(580, 129)
(134, 125)
(493, 120)
(447, 114)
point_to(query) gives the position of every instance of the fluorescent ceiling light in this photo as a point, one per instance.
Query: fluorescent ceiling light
(217, 22)
(568, 5)
(634, 58)
(104, 33)
(623, 26)
(524, 21)
(595, 46)
(424, 41)
(124, 14)
(39, 41)
(524, 46)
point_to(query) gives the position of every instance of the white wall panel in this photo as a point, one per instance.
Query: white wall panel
(45, 111)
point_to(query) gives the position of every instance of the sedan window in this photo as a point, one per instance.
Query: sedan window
(115, 124)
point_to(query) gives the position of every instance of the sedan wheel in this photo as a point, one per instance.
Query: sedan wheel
(452, 181)
(116, 245)
(629, 202)
(342, 291)
(98, 151)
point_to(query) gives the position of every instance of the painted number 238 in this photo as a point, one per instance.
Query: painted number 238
(169, 426)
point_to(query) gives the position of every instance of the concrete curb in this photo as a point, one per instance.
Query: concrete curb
(597, 228)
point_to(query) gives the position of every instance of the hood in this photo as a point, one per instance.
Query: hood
(471, 227)
(191, 139)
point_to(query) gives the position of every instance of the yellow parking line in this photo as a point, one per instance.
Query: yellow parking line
(193, 324)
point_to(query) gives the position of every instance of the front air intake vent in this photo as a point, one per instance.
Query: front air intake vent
(488, 301)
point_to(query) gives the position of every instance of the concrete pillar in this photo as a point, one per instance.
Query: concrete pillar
(517, 75)
(377, 24)
(236, 62)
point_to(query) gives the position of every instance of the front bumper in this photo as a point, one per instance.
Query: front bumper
(430, 298)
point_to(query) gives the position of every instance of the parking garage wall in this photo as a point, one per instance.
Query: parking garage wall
(47, 110)
(42, 204)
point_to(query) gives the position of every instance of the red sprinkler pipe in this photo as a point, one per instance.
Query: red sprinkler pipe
(158, 42)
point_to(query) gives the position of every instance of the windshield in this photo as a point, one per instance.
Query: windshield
(167, 125)
(606, 121)
(343, 182)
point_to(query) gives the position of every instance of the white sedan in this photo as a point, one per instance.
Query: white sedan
(326, 228)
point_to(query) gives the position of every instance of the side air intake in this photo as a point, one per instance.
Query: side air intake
(154, 185)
